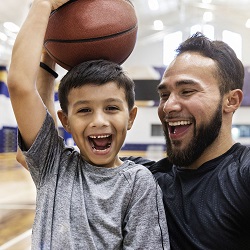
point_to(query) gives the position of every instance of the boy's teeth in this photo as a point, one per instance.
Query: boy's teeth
(99, 136)
(179, 123)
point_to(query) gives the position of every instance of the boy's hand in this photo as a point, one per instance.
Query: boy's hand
(57, 3)
(54, 3)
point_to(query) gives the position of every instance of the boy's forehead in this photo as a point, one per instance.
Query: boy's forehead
(92, 85)
(105, 90)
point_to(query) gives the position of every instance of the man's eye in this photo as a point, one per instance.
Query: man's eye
(164, 95)
(188, 92)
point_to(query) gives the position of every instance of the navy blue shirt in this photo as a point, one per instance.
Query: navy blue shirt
(207, 208)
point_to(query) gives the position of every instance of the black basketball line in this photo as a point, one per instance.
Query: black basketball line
(91, 39)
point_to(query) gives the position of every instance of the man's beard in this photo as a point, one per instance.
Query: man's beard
(203, 137)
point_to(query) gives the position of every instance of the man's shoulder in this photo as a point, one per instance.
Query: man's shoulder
(163, 165)
(139, 160)
(242, 151)
(241, 156)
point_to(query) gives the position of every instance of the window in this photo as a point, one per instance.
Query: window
(156, 130)
(170, 44)
(240, 131)
(207, 30)
(234, 40)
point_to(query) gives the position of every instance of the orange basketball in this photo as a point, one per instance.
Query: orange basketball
(82, 30)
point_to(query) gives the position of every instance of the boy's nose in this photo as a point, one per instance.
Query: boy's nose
(99, 120)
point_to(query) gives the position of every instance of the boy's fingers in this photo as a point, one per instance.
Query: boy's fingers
(57, 3)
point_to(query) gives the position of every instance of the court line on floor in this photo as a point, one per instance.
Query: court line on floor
(17, 206)
(16, 240)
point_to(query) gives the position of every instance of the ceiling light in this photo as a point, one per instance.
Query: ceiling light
(206, 1)
(158, 25)
(208, 16)
(3, 37)
(248, 23)
(235, 133)
(153, 4)
(11, 41)
(11, 27)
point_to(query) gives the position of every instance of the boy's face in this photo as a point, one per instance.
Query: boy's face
(98, 119)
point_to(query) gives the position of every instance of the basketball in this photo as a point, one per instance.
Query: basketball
(83, 30)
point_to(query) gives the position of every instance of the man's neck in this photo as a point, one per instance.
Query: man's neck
(216, 149)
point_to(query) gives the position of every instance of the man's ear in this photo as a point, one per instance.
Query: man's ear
(132, 115)
(64, 120)
(233, 100)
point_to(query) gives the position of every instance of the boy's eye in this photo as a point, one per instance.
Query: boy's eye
(112, 108)
(84, 110)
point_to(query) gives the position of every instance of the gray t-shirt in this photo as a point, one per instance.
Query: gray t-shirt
(80, 206)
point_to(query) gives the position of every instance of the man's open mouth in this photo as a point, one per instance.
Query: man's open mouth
(178, 127)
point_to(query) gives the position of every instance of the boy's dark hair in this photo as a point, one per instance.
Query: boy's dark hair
(230, 68)
(96, 72)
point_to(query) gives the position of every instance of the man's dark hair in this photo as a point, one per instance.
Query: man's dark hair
(230, 68)
(96, 72)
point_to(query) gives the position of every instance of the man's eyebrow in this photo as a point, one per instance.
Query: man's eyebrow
(163, 86)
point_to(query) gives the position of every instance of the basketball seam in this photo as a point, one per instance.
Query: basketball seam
(91, 39)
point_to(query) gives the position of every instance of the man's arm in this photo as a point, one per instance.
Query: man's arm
(27, 104)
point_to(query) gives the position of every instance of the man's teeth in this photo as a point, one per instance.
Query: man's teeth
(99, 136)
(179, 123)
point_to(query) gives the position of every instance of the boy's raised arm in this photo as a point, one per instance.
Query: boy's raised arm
(26, 102)
(45, 84)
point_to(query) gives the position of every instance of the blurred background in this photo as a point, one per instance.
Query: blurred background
(163, 24)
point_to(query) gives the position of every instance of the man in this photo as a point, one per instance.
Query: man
(205, 178)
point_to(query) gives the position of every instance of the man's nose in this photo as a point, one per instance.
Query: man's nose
(172, 104)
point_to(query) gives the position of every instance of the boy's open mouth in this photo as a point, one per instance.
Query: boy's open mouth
(100, 142)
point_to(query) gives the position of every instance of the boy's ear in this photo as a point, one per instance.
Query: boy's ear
(233, 100)
(132, 115)
(64, 120)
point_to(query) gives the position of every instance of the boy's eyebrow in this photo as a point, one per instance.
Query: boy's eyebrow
(161, 85)
(81, 102)
(114, 100)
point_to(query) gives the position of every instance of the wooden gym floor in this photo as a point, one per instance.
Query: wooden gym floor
(17, 204)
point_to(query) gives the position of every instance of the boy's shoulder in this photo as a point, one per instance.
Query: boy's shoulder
(136, 171)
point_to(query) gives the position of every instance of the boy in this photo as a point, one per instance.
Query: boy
(87, 200)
